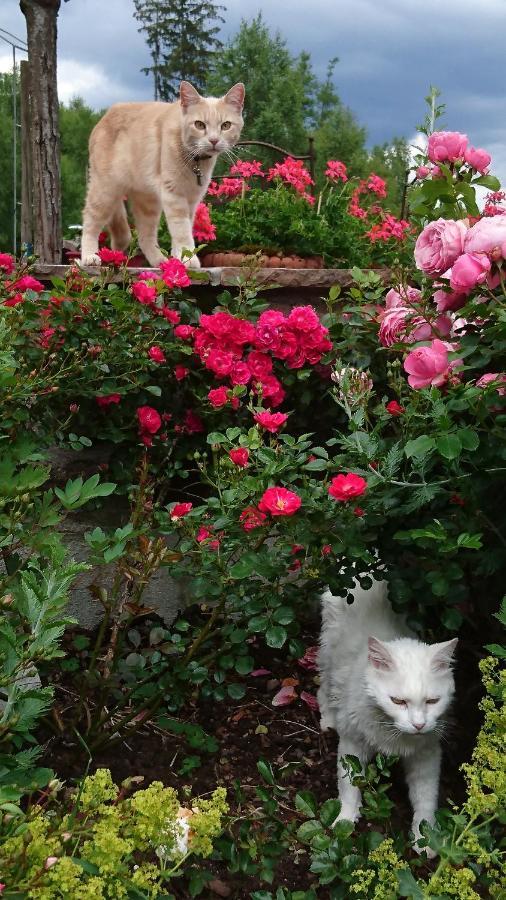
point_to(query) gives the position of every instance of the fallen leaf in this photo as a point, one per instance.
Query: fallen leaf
(290, 682)
(219, 887)
(261, 729)
(310, 700)
(285, 696)
(258, 672)
(310, 659)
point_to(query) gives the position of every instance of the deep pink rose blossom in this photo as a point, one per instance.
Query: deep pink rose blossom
(428, 366)
(446, 146)
(468, 271)
(439, 245)
(345, 487)
(477, 158)
(279, 501)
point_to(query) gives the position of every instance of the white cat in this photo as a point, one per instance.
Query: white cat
(383, 690)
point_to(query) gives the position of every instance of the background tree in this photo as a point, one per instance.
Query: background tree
(41, 32)
(280, 87)
(182, 39)
(6, 160)
(76, 123)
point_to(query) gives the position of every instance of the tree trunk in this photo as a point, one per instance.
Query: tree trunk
(26, 161)
(44, 127)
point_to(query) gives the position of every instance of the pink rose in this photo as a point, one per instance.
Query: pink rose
(239, 456)
(428, 365)
(107, 399)
(149, 419)
(423, 171)
(27, 283)
(446, 146)
(346, 487)
(240, 374)
(439, 245)
(179, 510)
(278, 501)
(7, 263)
(448, 301)
(252, 518)
(486, 236)
(156, 354)
(303, 318)
(180, 372)
(184, 332)
(259, 364)
(220, 362)
(112, 257)
(144, 293)
(493, 378)
(174, 273)
(468, 271)
(218, 397)
(477, 158)
(402, 297)
(271, 421)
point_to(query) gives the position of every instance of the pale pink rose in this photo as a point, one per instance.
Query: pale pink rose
(428, 366)
(478, 159)
(493, 378)
(468, 271)
(402, 297)
(393, 323)
(446, 146)
(439, 245)
(487, 236)
(448, 301)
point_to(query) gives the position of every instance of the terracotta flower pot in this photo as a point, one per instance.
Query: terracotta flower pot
(233, 259)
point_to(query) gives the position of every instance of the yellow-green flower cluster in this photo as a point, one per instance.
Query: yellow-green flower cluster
(379, 881)
(115, 837)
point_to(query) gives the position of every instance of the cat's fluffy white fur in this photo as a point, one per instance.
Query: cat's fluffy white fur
(367, 657)
(162, 156)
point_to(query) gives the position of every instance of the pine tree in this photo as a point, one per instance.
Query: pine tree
(182, 38)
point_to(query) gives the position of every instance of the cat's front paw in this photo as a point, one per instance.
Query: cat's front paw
(431, 854)
(348, 813)
(326, 722)
(91, 259)
(192, 263)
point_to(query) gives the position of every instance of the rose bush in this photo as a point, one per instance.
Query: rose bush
(268, 453)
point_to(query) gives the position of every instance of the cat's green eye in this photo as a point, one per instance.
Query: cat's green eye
(433, 699)
(398, 701)
(200, 125)
(226, 125)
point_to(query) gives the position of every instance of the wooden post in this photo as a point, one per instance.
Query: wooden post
(26, 159)
(41, 18)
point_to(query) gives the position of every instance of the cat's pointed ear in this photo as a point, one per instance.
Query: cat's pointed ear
(235, 96)
(380, 656)
(188, 94)
(442, 656)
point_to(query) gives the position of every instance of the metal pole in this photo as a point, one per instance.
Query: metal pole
(14, 155)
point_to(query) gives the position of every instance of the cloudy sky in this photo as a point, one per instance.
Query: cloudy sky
(390, 52)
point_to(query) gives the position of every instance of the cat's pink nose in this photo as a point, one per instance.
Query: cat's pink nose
(418, 725)
(213, 141)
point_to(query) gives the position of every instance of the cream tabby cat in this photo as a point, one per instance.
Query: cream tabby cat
(161, 156)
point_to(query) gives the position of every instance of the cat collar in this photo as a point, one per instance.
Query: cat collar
(197, 171)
